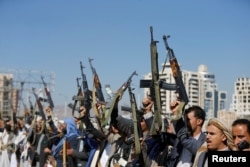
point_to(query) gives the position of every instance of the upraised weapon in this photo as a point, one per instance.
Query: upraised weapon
(137, 125)
(85, 89)
(154, 86)
(78, 97)
(117, 96)
(49, 98)
(97, 83)
(39, 104)
(178, 86)
(97, 95)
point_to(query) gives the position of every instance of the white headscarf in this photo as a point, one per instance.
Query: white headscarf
(225, 130)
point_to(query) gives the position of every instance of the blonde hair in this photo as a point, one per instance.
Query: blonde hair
(226, 130)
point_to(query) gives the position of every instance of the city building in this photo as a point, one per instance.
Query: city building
(227, 117)
(8, 96)
(241, 97)
(200, 86)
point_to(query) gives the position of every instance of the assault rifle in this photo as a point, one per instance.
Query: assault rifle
(39, 105)
(97, 83)
(117, 96)
(78, 97)
(86, 92)
(137, 125)
(178, 86)
(49, 98)
(154, 86)
(97, 95)
(84, 98)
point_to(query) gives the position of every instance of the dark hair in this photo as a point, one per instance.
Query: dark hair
(198, 112)
(242, 121)
(125, 125)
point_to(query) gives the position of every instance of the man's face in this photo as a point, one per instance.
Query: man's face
(240, 133)
(38, 125)
(1, 124)
(21, 124)
(143, 125)
(192, 122)
(62, 127)
(215, 138)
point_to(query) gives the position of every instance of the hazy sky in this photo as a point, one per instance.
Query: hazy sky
(54, 36)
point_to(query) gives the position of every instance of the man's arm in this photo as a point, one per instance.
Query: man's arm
(191, 143)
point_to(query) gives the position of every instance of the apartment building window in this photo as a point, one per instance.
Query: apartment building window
(5, 105)
(5, 95)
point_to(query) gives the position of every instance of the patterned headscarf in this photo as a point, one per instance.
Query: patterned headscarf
(225, 130)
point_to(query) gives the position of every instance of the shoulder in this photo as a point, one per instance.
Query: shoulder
(202, 136)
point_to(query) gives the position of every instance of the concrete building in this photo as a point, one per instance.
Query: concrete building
(8, 96)
(241, 97)
(200, 86)
(227, 116)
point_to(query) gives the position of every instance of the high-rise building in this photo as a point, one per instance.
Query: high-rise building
(8, 95)
(200, 86)
(241, 97)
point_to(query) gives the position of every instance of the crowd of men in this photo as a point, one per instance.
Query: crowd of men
(79, 141)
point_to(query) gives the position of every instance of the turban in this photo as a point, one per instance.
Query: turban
(226, 130)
